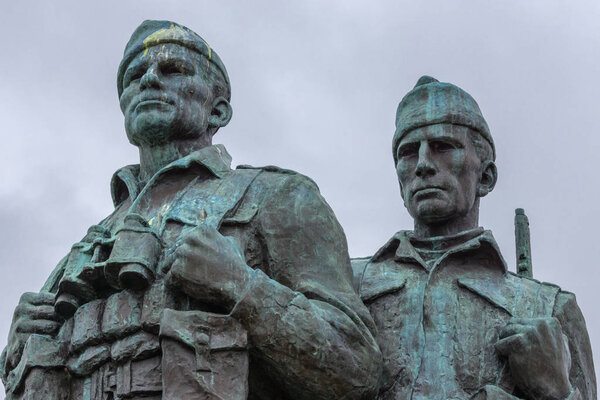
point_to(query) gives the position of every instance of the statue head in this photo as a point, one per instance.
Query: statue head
(171, 86)
(444, 156)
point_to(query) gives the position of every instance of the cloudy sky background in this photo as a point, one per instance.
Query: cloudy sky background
(315, 88)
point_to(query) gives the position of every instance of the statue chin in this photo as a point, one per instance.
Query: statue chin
(149, 133)
(433, 212)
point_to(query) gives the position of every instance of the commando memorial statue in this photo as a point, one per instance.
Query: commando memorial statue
(453, 322)
(205, 282)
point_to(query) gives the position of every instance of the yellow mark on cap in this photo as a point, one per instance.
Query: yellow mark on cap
(173, 32)
(209, 53)
(203, 214)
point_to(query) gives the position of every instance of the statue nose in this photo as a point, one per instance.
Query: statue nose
(425, 170)
(150, 79)
(425, 166)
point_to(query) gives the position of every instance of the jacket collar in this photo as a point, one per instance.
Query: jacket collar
(404, 251)
(125, 182)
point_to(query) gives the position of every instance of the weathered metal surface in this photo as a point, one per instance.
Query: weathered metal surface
(453, 322)
(205, 282)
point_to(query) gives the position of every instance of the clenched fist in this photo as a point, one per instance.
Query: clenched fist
(210, 267)
(34, 314)
(538, 356)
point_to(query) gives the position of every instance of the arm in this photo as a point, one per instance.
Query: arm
(305, 319)
(305, 322)
(571, 319)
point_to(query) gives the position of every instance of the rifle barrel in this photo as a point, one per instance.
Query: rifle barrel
(523, 244)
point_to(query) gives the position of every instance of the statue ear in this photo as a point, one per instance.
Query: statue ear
(488, 178)
(220, 114)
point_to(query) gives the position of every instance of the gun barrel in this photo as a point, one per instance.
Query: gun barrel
(523, 244)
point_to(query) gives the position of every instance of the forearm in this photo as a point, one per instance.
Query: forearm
(315, 350)
(582, 375)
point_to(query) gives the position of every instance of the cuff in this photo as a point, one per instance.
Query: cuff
(264, 301)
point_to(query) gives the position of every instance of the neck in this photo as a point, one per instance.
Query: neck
(448, 227)
(153, 158)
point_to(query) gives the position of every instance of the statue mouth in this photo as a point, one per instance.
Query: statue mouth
(151, 103)
(427, 191)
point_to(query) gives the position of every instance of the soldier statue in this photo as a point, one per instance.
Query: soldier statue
(453, 322)
(205, 282)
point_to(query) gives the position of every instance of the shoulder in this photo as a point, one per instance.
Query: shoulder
(530, 284)
(274, 189)
(280, 186)
(531, 296)
(273, 177)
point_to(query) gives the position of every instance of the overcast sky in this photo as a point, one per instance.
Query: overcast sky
(315, 87)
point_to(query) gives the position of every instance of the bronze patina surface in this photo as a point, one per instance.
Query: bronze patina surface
(205, 282)
(453, 322)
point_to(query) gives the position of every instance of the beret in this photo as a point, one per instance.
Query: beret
(151, 33)
(432, 102)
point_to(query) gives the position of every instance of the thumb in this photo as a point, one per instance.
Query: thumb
(510, 344)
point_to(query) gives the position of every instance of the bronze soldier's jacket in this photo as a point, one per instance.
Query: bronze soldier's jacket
(439, 308)
(308, 332)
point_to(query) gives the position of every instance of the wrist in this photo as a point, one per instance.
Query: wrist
(242, 284)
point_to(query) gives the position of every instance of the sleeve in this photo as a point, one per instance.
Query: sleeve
(305, 321)
(582, 375)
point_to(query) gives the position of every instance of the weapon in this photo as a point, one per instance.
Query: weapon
(523, 244)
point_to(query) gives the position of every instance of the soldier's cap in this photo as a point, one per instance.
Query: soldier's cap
(433, 102)
(151, 33)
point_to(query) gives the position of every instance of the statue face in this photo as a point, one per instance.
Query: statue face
(439, 172)
(165, 96)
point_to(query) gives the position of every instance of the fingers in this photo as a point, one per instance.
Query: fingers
(41, 298)
(514, 329)
(523, 333)
(544, 329)
(42, 327)
(35, 312)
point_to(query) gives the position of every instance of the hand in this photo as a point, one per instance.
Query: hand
(209, 267)
(538, 356)
(34, 314)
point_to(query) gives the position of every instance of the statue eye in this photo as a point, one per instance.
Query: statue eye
(132, 75)
(173, 67)
(170, 69)
(408, 150)
(442, 146)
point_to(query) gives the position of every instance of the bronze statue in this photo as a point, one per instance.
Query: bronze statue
(205, 282)
(453, 322)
